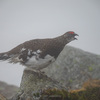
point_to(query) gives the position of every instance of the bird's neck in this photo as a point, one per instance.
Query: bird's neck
(61, 40)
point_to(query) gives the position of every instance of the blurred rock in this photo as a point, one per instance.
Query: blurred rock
(7, 90)
(2, 97)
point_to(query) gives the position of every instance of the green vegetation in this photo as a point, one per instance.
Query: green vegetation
(55, 94)
(70, 80)
(88, 94)
(90, 68)
(89, 91)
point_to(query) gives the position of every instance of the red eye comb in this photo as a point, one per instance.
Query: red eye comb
(71, 32)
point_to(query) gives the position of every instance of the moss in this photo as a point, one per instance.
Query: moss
(88, 94)
(70, 80)
(36, 95)
(57, 66)
(75, 61)
(91, 83)
(90, 68)
(55, 94)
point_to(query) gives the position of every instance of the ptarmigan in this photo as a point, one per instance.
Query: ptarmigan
(38, 53)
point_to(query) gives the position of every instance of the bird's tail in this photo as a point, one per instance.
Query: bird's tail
(4, 56)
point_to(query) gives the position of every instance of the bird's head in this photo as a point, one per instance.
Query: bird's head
(70, 36)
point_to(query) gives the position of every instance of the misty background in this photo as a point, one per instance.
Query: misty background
(22, 20)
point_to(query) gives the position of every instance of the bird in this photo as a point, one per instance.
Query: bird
(37, 54)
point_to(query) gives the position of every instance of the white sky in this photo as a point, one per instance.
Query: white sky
(22, 20)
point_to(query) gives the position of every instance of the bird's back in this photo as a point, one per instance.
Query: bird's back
(46, 46)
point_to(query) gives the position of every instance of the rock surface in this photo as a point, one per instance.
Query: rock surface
(33, 84)
(2, 97)
(73, 67)
(7, 90)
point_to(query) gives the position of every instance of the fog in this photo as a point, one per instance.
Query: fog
(22, 20)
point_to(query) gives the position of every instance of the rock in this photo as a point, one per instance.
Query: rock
(73, 67)
(2, 97)
(7, 90)
(32, 85)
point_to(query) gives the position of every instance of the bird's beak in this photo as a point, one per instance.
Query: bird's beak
(75, 37)
(76, 34)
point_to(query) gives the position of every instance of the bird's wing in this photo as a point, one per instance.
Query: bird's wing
(38, 47)
(26, 50)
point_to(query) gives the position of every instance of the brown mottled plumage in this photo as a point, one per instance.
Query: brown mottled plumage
(38, 52)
